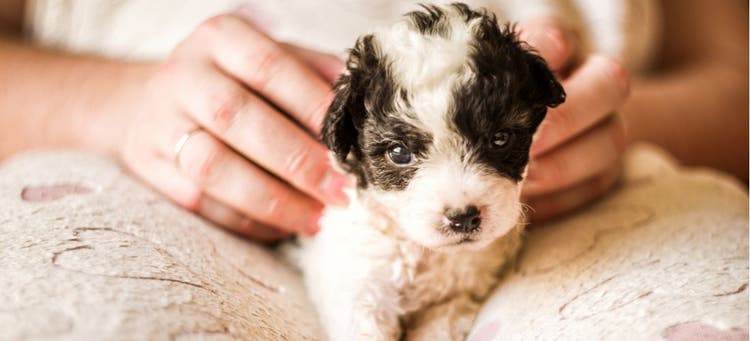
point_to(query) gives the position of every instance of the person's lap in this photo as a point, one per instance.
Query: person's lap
(665, 255)
(84, 245)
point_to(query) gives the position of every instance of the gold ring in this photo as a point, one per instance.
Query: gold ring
(181, 143)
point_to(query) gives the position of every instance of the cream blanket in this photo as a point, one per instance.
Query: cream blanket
(86, 252)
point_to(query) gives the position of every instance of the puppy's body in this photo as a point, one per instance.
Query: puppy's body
(369, 282)
(434, 117)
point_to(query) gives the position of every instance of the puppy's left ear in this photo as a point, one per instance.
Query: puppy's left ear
(545, 91)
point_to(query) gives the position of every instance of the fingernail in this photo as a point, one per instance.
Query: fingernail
(538, 142)
(556, 39)
(254, 16)
(334, 69)
(246, 224)
(530, 185)
(531, 188)
(343, 55)
(338, 65)
(620, 74)
(313, 225)
(333, 186)
(550, 42)
(531, 174)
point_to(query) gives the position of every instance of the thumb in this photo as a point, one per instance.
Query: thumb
(553, 42)
(327, 65)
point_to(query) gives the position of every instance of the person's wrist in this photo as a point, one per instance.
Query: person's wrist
(110, 123)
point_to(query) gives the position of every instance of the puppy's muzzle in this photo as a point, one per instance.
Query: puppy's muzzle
(465, 220)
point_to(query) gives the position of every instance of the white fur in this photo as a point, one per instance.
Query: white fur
(363, 278)
(445, 182)
(426, 60)
(430, 67)
(382, 263)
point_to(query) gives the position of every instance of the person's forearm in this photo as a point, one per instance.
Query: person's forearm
(698, 114)
(11, 17)
(696, 103)
(50, 99)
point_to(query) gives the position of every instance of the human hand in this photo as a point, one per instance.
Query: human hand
(227, 128)
(576, 154)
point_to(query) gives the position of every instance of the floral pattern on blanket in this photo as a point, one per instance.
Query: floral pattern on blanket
(666, 256)
(87, 252)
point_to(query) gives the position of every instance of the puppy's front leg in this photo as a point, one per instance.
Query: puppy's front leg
(367, 310)
(352, 290)
(450, 320)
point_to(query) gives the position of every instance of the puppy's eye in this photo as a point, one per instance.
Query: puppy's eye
(501, 139)
(400, 156)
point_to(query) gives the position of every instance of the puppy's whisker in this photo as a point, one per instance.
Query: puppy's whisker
(526, 208)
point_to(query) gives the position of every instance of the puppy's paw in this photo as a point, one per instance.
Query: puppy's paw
(365, 324)
(451, 320)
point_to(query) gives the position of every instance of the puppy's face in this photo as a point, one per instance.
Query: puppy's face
(435, 117)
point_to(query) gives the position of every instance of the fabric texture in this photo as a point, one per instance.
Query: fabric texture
(665, 256)
(86, 252)
(144, 29)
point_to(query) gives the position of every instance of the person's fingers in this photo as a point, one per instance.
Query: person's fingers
(581, 158)
(162, 175)
(327, 65)
(224, 216)
(267, 68)
(262, 134)
(596, 89)
(553, 205)
(234, 181)
(556, 44)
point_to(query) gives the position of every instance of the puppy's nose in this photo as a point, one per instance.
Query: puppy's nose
(464, 220)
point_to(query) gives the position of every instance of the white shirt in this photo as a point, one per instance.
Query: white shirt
(146, 29)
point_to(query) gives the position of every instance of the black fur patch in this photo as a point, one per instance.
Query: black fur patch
(466, 11)
(430, 20)
(511, 92)
(380, 134)
(361, 126)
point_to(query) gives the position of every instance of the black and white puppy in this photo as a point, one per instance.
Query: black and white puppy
(434, 117)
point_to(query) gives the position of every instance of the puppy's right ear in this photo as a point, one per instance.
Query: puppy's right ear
(339, 133)
(347, 113)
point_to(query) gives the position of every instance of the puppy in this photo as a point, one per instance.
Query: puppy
(434, 117)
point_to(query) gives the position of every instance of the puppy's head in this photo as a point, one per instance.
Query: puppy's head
(435, 116)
